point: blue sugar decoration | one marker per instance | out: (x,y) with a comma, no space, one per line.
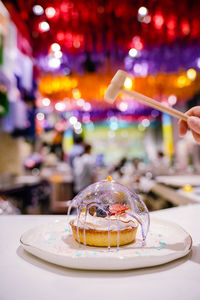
(78,254)
(92,254)
(160,235)
(162,243)
(52,239)
(138,252)
(66,230)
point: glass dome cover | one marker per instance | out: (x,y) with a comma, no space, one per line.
(110,196)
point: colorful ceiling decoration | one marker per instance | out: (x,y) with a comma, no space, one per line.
(166,59)
(92,87)
(108,26)
(88,32)
(82,43)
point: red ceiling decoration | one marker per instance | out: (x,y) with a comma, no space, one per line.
(109,26)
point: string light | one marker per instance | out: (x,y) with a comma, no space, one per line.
(76,44)
(44,26)
(60,36)
(137,68)
(46,101)
(133,52)
(58,54)
(182,81)
(146,19)
(40,116)
(128,83)
(143,11)
(172,99)
(54,63)
(145,122)
(171,23)
(55,47)
(77,125)
(73,120)
(158,20)
(185,27)
(123,106)
(87,106)
(60,106)
(191,74)
(38,10)
(64,7)
(137,43)
(80,102)
(50,12)
(76,93)
(78,131)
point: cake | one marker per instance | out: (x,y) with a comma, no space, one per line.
(108,215)
(105,228)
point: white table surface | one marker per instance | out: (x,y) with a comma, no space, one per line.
(23,276)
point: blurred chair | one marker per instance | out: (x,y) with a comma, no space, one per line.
(61,194)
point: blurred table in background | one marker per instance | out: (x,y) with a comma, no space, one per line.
(46,192)
(178,190)
(51,190)
(61,183)
(26,191)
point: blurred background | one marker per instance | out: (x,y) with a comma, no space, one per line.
(58,134)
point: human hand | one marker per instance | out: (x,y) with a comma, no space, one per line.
(193,123)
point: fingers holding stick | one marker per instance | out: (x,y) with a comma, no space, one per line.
(193,123)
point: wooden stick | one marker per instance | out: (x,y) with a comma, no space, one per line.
(155,104)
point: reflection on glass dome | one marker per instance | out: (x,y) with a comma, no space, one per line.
(108,214)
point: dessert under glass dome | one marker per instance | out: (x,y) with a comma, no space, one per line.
(109,197)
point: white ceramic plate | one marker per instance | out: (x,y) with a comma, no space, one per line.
(179,180)
(54,243)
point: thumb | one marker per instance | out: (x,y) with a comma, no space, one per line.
(194,124)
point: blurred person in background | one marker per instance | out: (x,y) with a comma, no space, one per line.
(56,146)
(119,168)
(76,150)
(84,169)
(160,165)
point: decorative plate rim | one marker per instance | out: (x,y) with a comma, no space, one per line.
(156,219)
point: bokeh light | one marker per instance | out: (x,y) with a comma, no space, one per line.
(142,11)
(172,99)
(128,83)
(50,12)
(55,47)
(44,26)
(38,10)
(191,74)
